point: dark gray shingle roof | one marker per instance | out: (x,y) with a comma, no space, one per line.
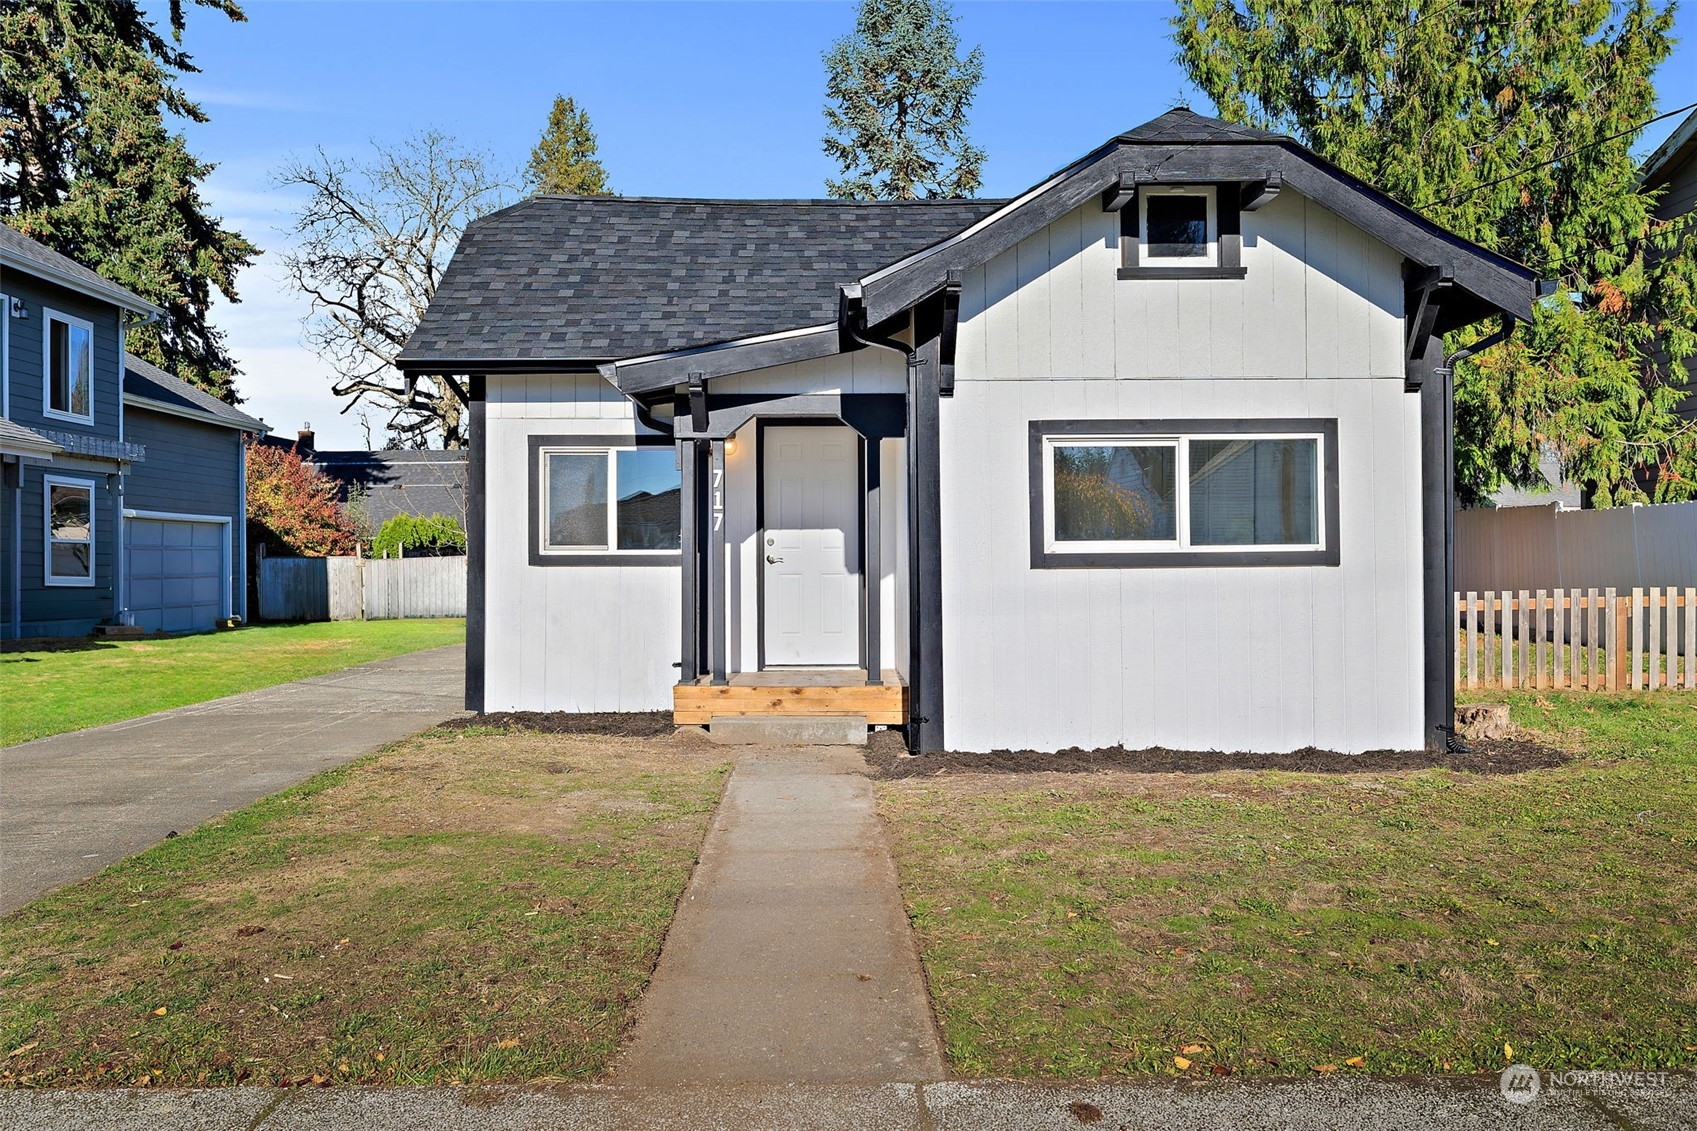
(17,438)
(557,278)
(419,483)
(19,252)
(145,380)
(1181,126)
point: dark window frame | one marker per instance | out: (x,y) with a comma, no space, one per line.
(1327,555)
(1228,235)
(607,442)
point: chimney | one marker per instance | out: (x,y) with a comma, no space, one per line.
(304,439)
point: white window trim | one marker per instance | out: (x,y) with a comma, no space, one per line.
(47,318)
(1145,259)
(1181,476)
(611,546)
(48,482)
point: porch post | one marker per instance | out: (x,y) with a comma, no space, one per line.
(716,620)
(872,567)
(689,505)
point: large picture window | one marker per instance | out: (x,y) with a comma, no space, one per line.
(69,354)
(69,513)
(1193,492)
(604,500)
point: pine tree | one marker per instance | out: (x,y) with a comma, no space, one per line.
(564,160)
(96,175)
(899,92)
(1512,124)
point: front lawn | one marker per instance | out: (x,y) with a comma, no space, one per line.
(1380,916)
(463,907)
(82,683)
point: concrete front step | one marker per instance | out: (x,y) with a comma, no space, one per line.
(788,730)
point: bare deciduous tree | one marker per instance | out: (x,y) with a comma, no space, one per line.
(370,245)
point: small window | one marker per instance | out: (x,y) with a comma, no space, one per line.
(621,499)
(1190,492)
(70,367)
(1178,227)
(70,531)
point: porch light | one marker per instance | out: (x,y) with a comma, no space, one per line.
(731,446)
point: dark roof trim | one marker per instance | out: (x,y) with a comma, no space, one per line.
(496,366)
(1497,280)
(665,370)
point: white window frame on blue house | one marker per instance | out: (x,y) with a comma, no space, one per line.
(48,317)
(48,482)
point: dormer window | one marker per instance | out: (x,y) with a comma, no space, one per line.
(1179,227)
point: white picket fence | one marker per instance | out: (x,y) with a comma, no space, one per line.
(350,588)
(1591,640)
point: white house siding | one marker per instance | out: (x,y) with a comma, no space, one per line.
(566,638)
(1255,659)
(604,638)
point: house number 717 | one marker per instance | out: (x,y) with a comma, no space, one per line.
(718,498)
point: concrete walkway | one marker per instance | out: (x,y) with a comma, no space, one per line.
(1360,1104)
(74,803)
(790,959)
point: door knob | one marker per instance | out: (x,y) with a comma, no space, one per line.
(770,560)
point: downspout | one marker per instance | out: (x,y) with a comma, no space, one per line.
(1445,372)
(17,578)
(241,523)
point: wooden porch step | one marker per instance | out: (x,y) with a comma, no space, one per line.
(695,704)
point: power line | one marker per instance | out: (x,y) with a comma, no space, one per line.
(1556,160)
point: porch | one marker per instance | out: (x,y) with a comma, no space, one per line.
(792,694)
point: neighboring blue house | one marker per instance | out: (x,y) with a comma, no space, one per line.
(123,493)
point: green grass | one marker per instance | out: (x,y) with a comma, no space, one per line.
(84,683)
(1275,922)
(459,908)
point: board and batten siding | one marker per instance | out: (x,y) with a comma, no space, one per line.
(566,638)
(1237,659)
(191,468)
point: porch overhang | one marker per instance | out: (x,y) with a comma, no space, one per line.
(640,375)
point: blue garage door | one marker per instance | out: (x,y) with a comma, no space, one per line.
(178,579)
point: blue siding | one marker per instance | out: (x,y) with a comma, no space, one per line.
(191,468)
(25,337)
(67,610)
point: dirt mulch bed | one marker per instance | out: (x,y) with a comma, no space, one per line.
(609,724)
(888,760)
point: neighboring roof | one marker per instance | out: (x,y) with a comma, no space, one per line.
(20,253)
(396,482)
(154,388)
(578,280)
(16,440)
(1671,153)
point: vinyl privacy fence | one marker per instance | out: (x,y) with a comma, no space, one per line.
(1520,548)
(1590,639)
(349,588)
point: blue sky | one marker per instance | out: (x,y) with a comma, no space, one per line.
(696,99)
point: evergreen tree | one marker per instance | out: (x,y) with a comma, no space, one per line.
(1510,123)
(93,172)
(564,160)
(899,92)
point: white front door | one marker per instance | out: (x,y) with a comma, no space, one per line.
(810,546)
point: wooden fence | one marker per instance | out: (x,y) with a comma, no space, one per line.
(1592,640)
(348,588)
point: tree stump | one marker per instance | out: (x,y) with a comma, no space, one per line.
(1483,721)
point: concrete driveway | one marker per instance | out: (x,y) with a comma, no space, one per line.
(74,803)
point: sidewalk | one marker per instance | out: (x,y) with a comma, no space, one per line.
(790,959)
(74,803)
(1359,1105)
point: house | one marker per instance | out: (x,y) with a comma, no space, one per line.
(123,491)
(1156,453)
(1673,168)
(412,482)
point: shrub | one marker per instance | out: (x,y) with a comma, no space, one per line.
(435,536)
(292,507)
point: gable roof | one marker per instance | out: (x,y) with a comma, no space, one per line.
(1674,150)
(1181,146)
(20,253)
(149,386)
(570,281)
